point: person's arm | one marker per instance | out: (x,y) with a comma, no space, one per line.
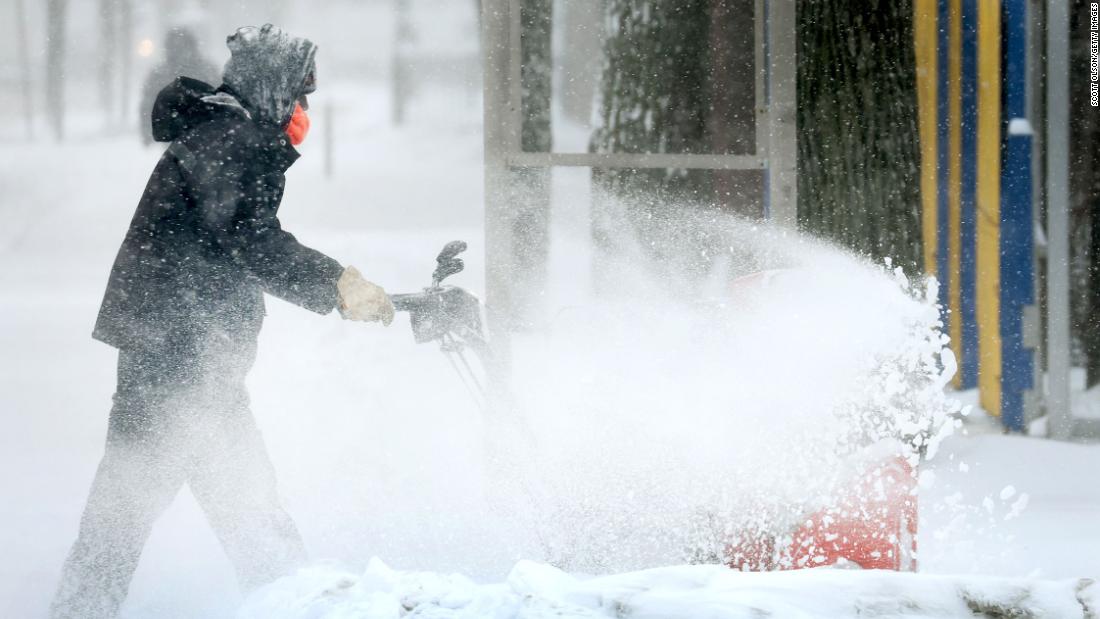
(237,209)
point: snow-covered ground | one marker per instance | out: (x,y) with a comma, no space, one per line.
(536,591)
(380,453)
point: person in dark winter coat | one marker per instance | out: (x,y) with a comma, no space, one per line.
(181,57)
(184,305)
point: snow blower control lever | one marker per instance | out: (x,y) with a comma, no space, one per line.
(451,316)
(447,264)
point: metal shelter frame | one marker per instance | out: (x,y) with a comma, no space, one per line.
(774,28)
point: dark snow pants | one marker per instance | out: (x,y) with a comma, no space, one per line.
(180,415)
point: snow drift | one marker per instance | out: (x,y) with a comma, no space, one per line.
(534,591)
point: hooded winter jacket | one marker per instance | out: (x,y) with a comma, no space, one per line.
(206,242)
(181,57)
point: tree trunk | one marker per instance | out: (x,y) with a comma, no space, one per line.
(1084,196)
(1091,331)
(108,54)
(126,59)
(858,155)
(399,86)
(730,122)
(24,66)
(55,66)
(531,233)
(653,98)
(677,78)
(580,57)
(535,73)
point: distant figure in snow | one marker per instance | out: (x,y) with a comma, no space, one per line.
(181,57)
(184,306)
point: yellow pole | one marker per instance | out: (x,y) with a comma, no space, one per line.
(924,39)
(988,194)
(954,179)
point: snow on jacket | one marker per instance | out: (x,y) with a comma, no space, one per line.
(206,242)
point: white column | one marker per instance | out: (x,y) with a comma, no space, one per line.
(1060,417)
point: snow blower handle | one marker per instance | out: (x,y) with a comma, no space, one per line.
(442,311)
(451,316)
(437,312)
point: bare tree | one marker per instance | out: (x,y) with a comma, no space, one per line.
(532,221)
(126,57)
(108,51)
(56,12)
(653,95)
(677,78)
(580,57)
(399,78)
(115,59)
(535,73)
(24,65)
(730,124)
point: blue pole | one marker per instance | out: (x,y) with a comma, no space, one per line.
(968,251)
(1017,244)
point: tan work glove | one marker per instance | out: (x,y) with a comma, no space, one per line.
(362,300)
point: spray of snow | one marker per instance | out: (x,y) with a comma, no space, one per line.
(694,399)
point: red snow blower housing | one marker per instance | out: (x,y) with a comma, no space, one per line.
(870,524)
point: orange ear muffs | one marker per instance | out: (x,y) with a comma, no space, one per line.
(298,126)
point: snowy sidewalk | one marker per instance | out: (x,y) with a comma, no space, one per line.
(534,591)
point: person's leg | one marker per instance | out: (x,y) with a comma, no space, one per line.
(236,488)
(137,479)
(234,481)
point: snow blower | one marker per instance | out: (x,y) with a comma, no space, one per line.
(869,523)
(451,316)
